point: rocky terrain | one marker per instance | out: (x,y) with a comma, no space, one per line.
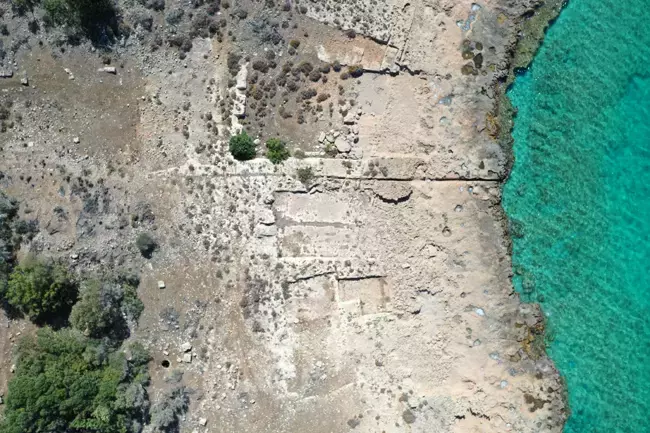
(361,285)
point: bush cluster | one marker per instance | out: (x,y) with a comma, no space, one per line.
(66,382)
(96,18)
(76,379)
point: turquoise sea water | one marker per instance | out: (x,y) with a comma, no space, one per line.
(579,203)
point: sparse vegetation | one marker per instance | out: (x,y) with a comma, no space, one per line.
(166,413)
(276,150)
(305,175)
(242,147)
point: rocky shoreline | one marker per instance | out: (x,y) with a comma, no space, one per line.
(531,35)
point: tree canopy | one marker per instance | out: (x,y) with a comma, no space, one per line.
(41,290)
(108,308)
(67,383)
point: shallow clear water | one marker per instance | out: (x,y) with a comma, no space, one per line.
(579,203)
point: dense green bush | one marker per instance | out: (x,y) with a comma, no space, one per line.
(146,244)
(65,382)
(41,290)
(107,308)
(242,147)
(276,150)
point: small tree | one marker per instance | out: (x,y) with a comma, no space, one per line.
(276,150)
(242,147)
(40,290)
(106,309)
(146,244)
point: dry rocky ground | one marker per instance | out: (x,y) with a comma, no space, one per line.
(372,297)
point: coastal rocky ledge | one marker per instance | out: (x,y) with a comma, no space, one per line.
(361,285)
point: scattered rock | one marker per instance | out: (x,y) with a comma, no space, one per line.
(161,284)
(242,76)
(24,81)
(76,140)
(6,73)
(203,421)
(342,145)
(187,358)
(108,69)
(186,347)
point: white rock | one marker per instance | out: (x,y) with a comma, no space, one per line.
(187,358)
(161,284)
(186,347)
(108,69)
(24,81)
(203,421)
(342,145)
(75,140)
(264,231)
(242,76)
(349,119)
(322,137)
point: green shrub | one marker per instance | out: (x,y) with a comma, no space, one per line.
(165,414)
(42,291)
(146,244)
(242,147)
(305,175)
(65,382)
(355,71)
(106,309)
(276,150)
